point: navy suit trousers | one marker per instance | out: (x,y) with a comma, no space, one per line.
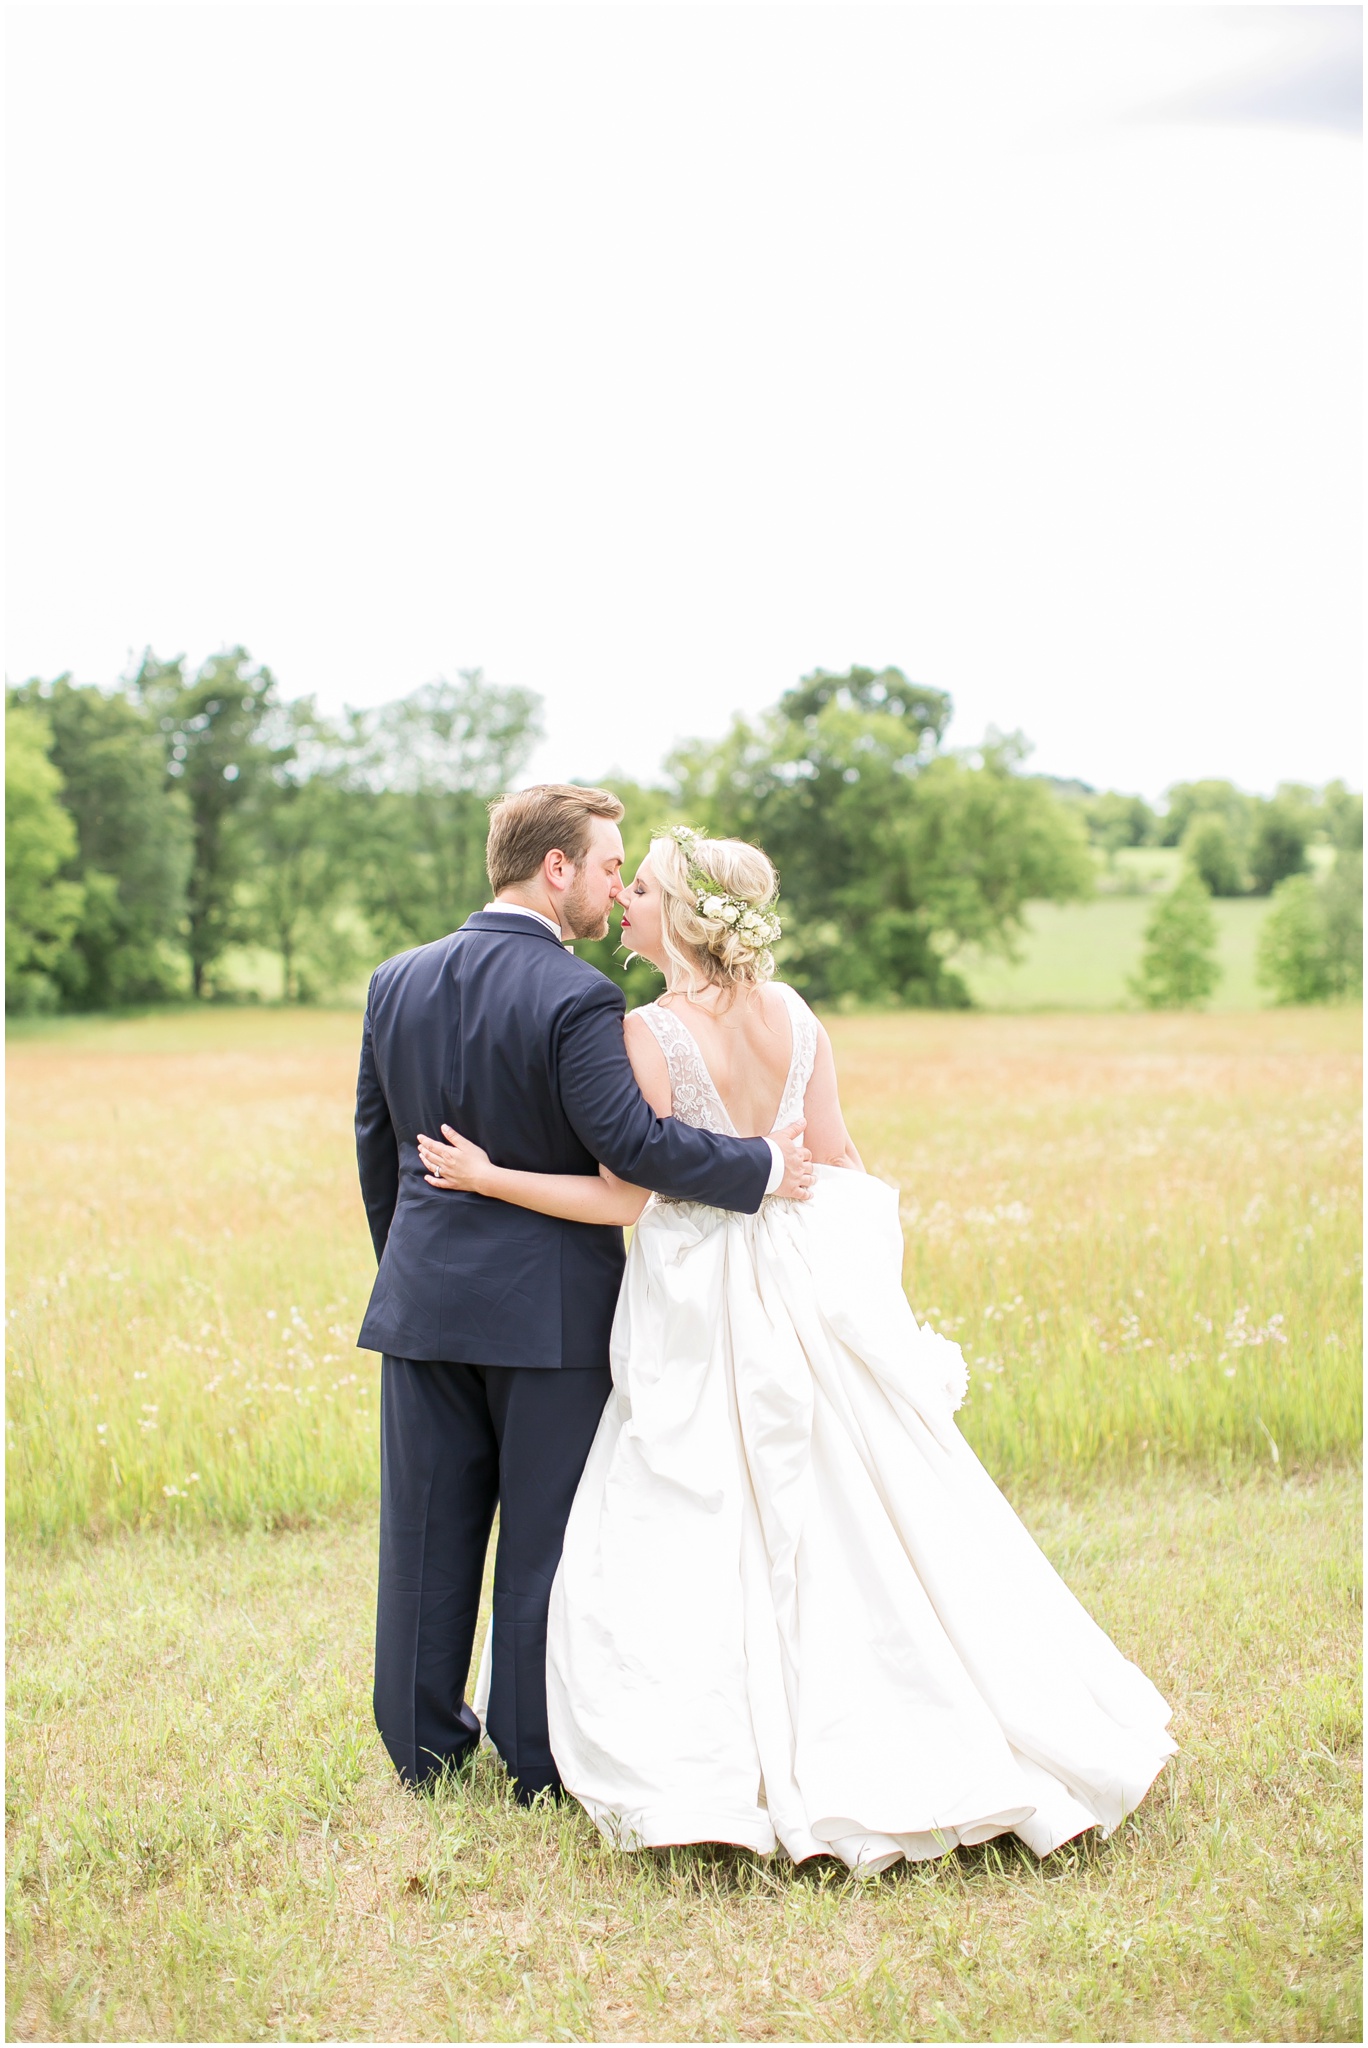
(455,1442)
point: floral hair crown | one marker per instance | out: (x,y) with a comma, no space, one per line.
(756,924)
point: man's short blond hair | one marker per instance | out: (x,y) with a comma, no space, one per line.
(548,818)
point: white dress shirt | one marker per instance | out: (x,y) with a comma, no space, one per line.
(521,910)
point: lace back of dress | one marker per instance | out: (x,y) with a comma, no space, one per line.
(693,1093)
(693,1096)
(803,1057)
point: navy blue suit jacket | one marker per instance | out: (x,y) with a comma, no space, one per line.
(500,1032)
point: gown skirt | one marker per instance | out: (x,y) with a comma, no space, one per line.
(793,1611)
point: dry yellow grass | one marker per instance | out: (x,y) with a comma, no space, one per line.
(183,1208)
(1145,1231)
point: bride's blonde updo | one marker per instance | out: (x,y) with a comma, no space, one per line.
(717,921)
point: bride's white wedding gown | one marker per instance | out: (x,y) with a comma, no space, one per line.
(793,1609)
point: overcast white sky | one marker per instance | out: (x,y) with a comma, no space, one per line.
(650,356)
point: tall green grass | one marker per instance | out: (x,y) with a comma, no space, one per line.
(1147,1237)
(1144,1231)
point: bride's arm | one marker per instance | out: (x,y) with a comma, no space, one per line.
(579,1197)
(827,1137)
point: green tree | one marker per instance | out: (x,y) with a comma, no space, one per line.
(1280,828)
(1116,821)
(133,846)
(1342,889)
(1213,852)
(1311,944)
(421,772)
(981,841)
(41,909)
(1212,796)
(301,823)
(1178,969)
(921,712)
(1342,813)
(890,855)
(213,725)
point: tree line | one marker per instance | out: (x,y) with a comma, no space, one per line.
(1236,844)
(155,827)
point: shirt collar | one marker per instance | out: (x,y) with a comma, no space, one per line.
(521,910)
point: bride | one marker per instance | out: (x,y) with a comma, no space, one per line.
(793,1609)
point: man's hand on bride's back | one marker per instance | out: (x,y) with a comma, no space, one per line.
(458,1164)
(796,1186)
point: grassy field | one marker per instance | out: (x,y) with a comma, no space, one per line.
(1145,1232)
(1077,956)
(206,1843)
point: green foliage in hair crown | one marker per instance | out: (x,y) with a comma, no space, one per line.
(756,924)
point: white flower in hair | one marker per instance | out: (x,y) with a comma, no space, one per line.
(759,928)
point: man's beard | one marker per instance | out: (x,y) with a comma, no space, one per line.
(579,914)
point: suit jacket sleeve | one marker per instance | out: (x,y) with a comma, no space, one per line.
(377,1148)
(615,1122)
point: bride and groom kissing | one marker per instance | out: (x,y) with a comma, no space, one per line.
(751,1584)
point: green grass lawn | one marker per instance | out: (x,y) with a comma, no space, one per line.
(207,1843)
(1076,956)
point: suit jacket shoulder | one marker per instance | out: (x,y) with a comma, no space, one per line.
(560,960)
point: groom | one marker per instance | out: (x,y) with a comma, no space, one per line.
(494,1321)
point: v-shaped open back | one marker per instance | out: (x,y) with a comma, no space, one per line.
(694,1095)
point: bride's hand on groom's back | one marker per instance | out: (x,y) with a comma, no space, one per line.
(457,1164)
(796,1186)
